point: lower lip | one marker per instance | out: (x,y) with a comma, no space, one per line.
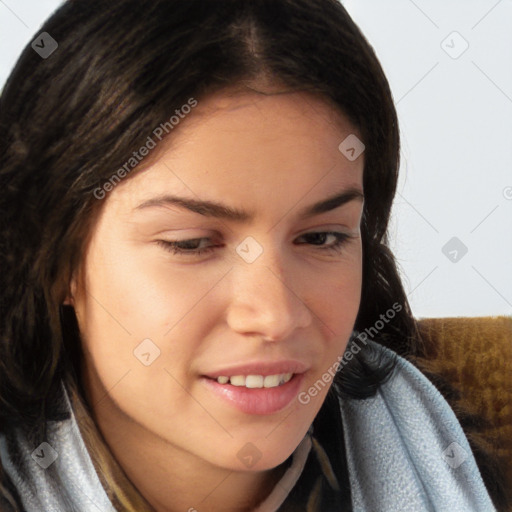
(257,400)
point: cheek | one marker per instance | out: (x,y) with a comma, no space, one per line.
(140,294)
(141,310)
(340,301)
(340,305)
(336,295)
(141,328)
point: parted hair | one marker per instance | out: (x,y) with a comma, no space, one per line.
(70,120)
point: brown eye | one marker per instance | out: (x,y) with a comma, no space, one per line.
(190,246)
(319,238)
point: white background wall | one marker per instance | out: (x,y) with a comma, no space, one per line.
(455,110)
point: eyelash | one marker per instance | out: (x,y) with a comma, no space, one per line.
(173,245)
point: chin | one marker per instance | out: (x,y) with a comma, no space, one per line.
(260,453)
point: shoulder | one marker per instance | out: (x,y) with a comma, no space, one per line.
(409,429)
(469,362)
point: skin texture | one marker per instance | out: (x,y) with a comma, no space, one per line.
(271,155)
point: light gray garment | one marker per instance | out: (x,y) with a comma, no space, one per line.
(406,452)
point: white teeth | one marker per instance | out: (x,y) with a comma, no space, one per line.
(256,381)
(238,380)
(287,377)
(271,381)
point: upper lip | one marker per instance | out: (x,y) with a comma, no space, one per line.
(263,368)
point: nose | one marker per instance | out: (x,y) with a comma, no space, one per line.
(266,299)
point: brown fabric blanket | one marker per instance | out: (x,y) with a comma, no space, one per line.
(470,361)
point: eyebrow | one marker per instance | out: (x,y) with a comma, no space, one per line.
(221,211)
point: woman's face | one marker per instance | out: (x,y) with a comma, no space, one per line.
(257,290)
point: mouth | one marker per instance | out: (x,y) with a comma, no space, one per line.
(256,381)
(255,393)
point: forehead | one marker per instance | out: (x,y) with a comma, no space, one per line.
(239,116)
(250,148)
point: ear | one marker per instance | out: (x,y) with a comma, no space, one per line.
(68,301)
(70,297)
